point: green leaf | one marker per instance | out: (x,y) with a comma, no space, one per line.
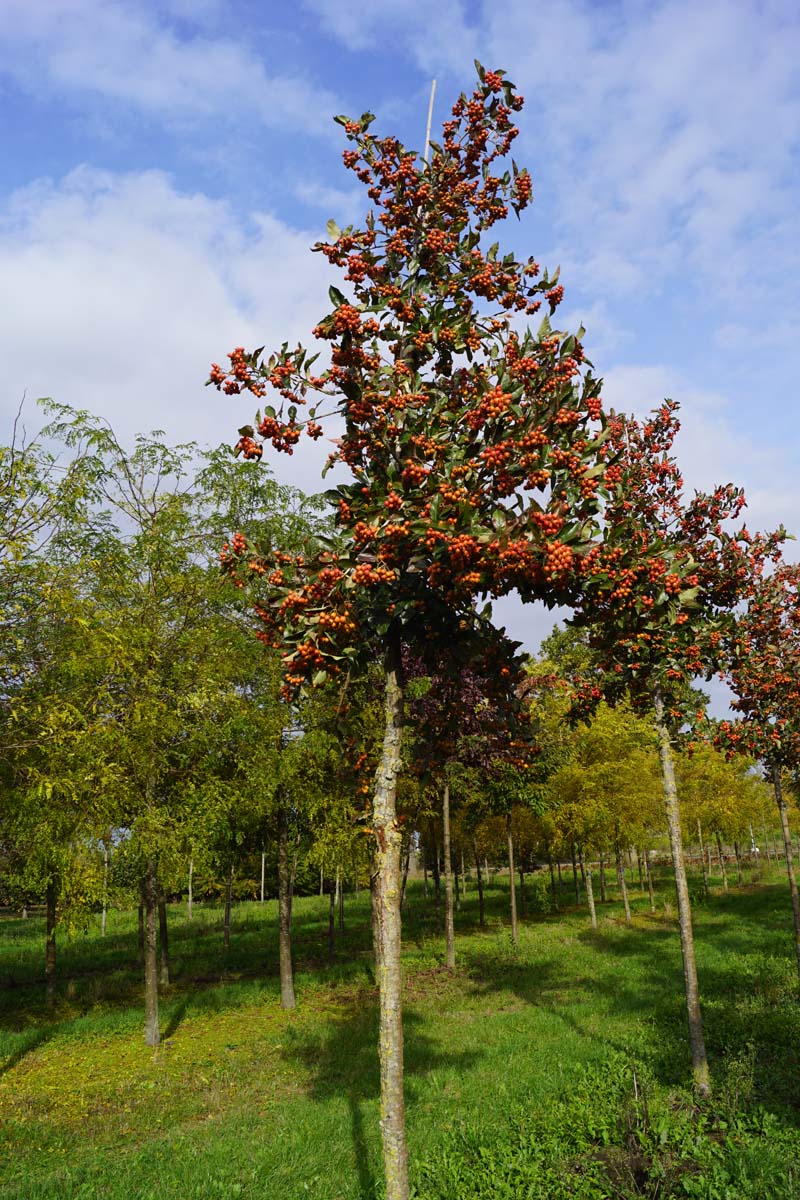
(333,230)
(336,297)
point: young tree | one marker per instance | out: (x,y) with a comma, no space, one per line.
(452,421)
(658,591)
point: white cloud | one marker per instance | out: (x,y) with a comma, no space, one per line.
(122,52)
(120,291)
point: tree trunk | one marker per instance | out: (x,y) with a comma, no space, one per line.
(623,887)
(285,911)
(580,864)
(738,863)
(105,893)
(189,903)
(523,904)
(388,842)
(603,895)
(560,880)
(721,861)
(425,870)
(163,943)
(512,880)
(263,869)
(590,898)
(787,846)
(151,1034)
(575,876)
(649,875)
(406,864)
(456,887)
(639,866)
(449,925)
(340,898)
(332,926)
(553,883)
(321,882)
(481,909)
(702,857)
(50,943)
(226,921)
(702,1081)
(463,873)
(437,879)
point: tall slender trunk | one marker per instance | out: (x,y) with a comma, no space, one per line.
(481,909)
(190,901)
(322,881)
(553,883)
(590,899)
(226,921)
(738,863)
(639,867)
(151,1034)
(512,881)
(340,898)
(50,942)
(721,861)
(449,925)
(437,879)
(580,864)
(406,864)
(649,875)
(560,880)
(104,913)
(163,943)
(623,887)
(702,1081)
(332,925)
(787,847)
(463,872)
(285,911)
(575,875)
(603,895)
(263,869)
(457,888)
(702,856)
(388,842)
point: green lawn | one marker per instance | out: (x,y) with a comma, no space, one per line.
(558,1070)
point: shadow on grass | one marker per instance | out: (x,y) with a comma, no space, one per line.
(341,1060)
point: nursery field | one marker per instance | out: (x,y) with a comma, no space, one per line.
(559,1069)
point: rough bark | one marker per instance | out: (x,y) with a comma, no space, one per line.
(623,887)
(163,943)
(50,943)
(512,880)
(449,924)
(285,911)
(226,922)
(151,1033)
(702,856)
(479,877)
(388,842)
(590,898)
(787,847)
(697,1045)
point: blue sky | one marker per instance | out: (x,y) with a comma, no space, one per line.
(168,164)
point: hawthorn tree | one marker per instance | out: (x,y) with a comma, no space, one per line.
(475,450)
(659,591)
(763,670)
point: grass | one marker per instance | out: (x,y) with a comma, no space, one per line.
(558,1069)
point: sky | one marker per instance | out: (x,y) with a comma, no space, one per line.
(169,163)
